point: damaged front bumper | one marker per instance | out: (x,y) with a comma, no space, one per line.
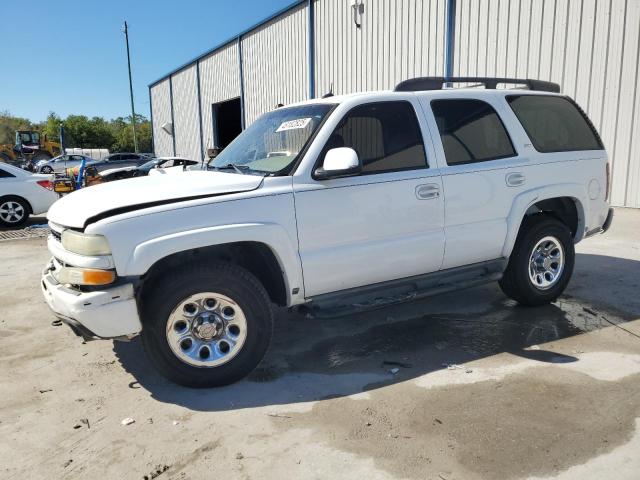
(106,313)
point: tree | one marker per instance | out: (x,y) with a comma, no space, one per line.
(8,126)
(51,127)
(83,132)
(124,134)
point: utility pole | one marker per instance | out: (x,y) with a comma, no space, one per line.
(133,111)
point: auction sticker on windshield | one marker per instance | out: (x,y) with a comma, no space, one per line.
(293,124)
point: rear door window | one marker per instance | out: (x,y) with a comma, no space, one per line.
(471,131)
(554,124)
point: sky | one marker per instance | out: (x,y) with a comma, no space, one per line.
(69,56)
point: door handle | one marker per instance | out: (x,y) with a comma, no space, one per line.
(515,179)
(428,191)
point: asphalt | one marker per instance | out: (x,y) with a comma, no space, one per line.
(467,385)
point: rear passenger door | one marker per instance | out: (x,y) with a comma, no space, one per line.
(482,172)
(383,224)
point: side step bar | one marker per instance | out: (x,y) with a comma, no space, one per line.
(381,295)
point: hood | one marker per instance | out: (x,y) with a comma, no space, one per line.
(114,170)
(80,208)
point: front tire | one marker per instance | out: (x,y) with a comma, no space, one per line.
(46,169)
(206,325)
(541,263)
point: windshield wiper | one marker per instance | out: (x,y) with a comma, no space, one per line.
(242,169)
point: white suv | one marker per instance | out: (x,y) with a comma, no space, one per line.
(341,203)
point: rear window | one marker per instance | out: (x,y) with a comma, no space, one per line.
(554,124)
(471,131)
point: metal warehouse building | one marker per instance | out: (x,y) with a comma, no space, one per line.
(590,47)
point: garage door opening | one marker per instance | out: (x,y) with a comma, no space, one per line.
(227,123)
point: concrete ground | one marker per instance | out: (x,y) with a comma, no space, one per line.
(552,392)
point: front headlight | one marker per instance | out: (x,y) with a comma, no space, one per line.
(85,244)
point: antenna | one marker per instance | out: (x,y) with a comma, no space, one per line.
(329,93)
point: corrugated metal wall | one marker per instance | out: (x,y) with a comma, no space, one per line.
(398,39)
(161,107)
(590,47)
(219,81)
(275,66)
(185,113)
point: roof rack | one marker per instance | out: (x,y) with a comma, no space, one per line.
(436,83)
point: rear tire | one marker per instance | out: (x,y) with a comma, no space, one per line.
(14,211)
(206,325)
(541,263)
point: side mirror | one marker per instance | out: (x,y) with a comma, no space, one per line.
(339,162)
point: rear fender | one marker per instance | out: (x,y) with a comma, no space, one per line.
(525,200)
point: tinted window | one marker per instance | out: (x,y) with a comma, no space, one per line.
(554,124)
(386,136)
(471,131)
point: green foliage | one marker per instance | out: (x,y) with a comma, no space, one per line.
(83,132)
(9,125)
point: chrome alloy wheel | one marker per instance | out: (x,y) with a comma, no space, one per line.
(206,329)
(11,211)
(546,263)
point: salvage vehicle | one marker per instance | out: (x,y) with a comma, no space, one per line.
(121,173)
(22,194)
(334,205)
(122,159)
(61,163)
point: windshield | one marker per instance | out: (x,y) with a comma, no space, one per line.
(274,140)
(150,164)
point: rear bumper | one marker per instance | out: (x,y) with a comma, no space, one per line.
(605,226)
(108,313)
(607,222)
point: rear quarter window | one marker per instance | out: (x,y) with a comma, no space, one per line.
(554,124)
(5,174)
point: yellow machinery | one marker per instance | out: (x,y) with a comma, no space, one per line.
(29,148)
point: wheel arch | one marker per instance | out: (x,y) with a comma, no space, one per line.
(565,202)
(18,197)
(256,257)
(264,249)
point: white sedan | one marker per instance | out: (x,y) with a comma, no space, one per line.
(23,194)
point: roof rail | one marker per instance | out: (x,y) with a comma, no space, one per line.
(436,83)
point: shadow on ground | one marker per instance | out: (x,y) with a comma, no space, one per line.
(314,359)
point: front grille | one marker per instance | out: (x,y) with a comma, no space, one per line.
(56,235)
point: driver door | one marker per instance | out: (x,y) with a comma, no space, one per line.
(383,224)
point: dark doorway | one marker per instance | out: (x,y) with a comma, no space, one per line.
(227,123)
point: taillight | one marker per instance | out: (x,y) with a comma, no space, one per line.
(48,184)
(608,185)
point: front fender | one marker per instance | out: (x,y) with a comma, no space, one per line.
(525,200)
(272,235)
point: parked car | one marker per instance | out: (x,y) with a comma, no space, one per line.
(119,160)
(178,165)
(60,163)
(372,199)
(23,194)
(144,169)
